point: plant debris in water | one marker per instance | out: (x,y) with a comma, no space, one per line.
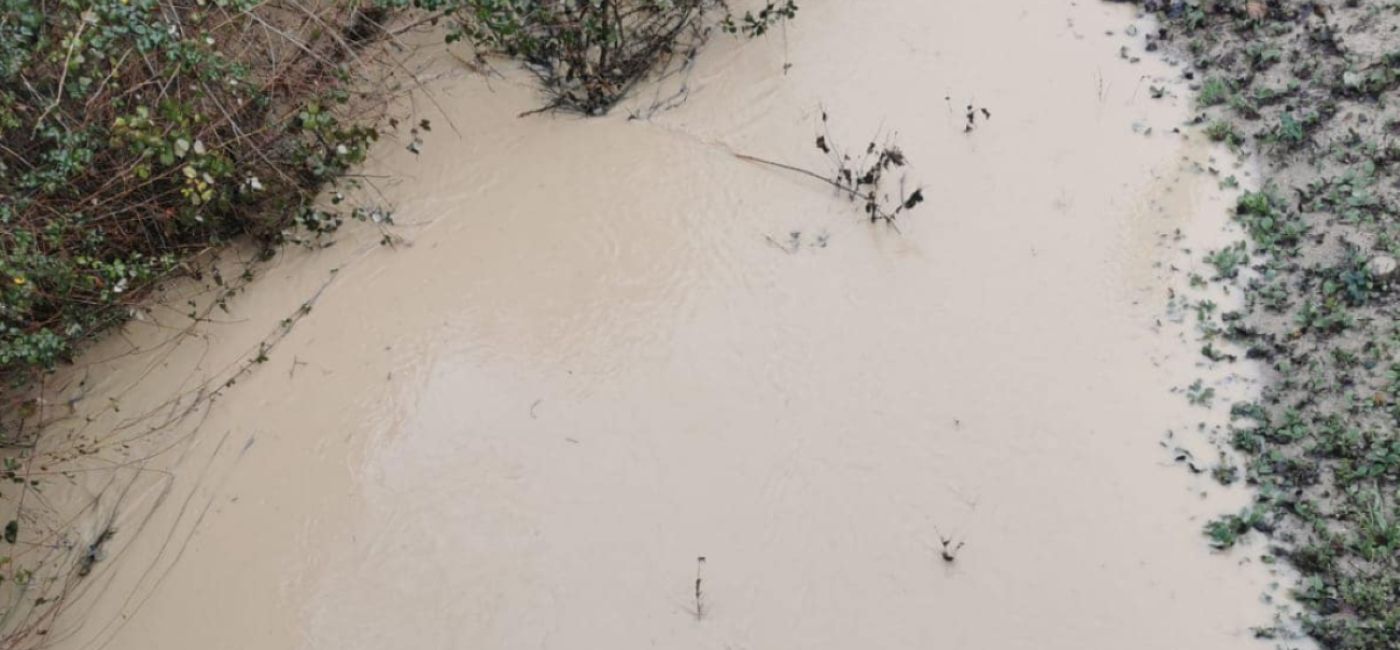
(1310,88)
(863,178)
(699,591)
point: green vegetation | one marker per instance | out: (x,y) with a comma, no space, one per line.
(1307,86)
(136,133)
(1222,131)
(1214,91)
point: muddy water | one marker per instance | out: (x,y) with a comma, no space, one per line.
(606,348)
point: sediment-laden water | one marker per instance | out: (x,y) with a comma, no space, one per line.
(605,348)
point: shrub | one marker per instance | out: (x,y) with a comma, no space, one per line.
(136,133)
(589,53)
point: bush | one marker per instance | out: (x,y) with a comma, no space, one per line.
(589,53)
(136,133)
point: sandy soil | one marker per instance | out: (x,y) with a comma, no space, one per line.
(595,357)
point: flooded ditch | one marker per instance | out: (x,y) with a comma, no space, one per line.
(605,348)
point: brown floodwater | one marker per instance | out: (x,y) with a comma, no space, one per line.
(605,348)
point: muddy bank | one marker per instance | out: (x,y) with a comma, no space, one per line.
(606,348)
(1308,86)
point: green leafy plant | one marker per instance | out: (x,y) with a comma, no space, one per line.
(1224,532)
(1228,260)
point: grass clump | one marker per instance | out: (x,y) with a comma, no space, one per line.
(1213,92)
(1222,131)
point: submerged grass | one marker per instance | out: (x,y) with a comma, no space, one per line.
(1310,87)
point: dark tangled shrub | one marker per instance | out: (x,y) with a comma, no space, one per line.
(136,133)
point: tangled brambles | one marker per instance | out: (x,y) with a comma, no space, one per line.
(589,53)
(136,133)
